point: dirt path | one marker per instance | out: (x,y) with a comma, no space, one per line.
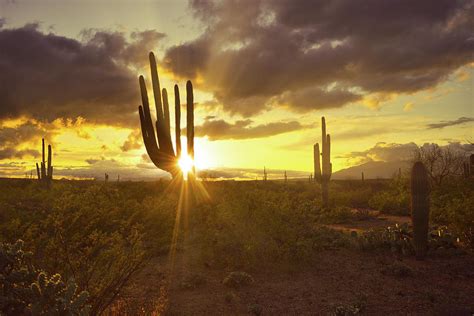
(351,279)
(374,219)
(374,283)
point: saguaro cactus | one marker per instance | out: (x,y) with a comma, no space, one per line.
(323,165)
(45,172)
(420,207)
(162,153)
(264,174)
(362,175)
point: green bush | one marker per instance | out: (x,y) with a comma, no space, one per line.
(394,200)
(27,290)
(252,226)
(95,233)
(399,239)
(452,204)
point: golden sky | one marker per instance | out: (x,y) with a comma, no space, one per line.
(263,78)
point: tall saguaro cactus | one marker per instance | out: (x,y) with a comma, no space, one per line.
(45,172)
(420,207)
(162,153)
(322,162)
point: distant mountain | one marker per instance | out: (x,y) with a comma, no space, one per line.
(372,170)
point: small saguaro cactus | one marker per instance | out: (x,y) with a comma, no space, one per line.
(363,178)
(264,174)
(162,153)
(323,165)
(420,207)
(45,172)
(285,177)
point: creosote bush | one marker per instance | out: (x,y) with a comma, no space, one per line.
(98,234)
(24,289)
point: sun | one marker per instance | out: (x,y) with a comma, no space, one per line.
(186,164)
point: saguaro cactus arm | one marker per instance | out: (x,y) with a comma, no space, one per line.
(177,111)
(190,118)
(317,162)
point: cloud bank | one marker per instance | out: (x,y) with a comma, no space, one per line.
(459,121)
(47,76)
(309,55)
(217,129)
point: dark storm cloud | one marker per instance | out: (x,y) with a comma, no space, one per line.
(316,98)
(12,137)
(459,121)
(243,129)
(254,53)
(8,153)
(46,76)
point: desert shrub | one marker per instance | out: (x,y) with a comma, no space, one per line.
(250,227)
(94,233)
(355,308)
(335,215)
(27,290)
(399,239)
(452,204)
(238,279)
(394,200)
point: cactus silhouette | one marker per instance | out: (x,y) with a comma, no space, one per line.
(363,178)
(162,153)
(45,172)
(420,207)
(264,174)
(323,165)
(285,177)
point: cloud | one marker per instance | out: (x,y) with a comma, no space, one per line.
(48,76)
(322,54)
(7,153)
(393,152)
(249,173)
(408,107)
(97,167)
(383,152)
(13,137)
(459,121)
(217,129)
(133,141)
(316,98)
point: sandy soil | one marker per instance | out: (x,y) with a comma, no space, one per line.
(353,279)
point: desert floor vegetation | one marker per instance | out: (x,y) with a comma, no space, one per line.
(259,247)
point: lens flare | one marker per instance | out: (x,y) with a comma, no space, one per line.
(186,164)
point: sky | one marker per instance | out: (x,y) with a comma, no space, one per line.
(387,75)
